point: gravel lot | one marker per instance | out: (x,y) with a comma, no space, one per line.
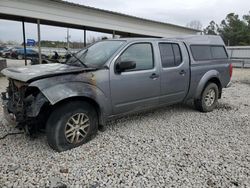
(170,147)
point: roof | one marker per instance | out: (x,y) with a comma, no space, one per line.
(189,39)
(122,14)
(200,39)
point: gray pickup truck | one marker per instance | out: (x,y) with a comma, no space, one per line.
(112,78)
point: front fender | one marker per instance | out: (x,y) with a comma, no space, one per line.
(61,91)
(203,81)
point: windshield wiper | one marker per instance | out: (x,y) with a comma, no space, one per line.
(76,56)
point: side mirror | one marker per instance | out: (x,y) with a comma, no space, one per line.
(125,65)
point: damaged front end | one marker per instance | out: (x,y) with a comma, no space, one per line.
(23,104)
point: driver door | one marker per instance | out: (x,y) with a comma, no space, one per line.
(138,88)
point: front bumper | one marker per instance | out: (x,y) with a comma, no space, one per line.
(9,117)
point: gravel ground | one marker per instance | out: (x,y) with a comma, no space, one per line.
(170,147)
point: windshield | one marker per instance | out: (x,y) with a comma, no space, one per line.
(97,54)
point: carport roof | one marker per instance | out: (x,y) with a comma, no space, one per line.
(122,14)
(66,14)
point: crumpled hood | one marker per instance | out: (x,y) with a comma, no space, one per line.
(35,72)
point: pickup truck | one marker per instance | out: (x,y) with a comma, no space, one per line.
(112,78)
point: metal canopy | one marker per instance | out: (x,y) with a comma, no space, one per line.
(64,14)
(66,25)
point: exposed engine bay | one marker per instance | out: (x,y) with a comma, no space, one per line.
(23,104)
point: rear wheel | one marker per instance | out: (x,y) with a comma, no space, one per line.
(70,125)
(208,99)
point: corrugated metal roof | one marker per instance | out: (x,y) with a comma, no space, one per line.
(122,14)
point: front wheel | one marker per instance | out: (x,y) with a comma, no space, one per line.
(71,125)
(208,99)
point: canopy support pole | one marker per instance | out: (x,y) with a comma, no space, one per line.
(24,43)
(39,41)
(85,38)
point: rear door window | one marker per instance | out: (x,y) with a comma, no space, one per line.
(170,54)
(177,54)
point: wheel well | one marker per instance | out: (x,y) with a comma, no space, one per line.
(217,82)
(81,98)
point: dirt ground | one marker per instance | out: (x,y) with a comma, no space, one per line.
(242,75)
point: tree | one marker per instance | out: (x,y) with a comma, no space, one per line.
(195,24)
(233,30)
(212,29)
(246,18)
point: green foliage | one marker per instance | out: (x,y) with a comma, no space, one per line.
(212,29)
(233,30)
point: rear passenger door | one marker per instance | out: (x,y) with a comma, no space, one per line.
(175,72)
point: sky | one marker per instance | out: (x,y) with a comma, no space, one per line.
(179,12)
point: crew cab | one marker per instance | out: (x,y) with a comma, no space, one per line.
(112,78)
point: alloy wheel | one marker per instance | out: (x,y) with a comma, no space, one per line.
(77,128)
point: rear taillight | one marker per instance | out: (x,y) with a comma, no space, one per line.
(231,70)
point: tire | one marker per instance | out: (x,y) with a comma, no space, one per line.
(205,103)
(62,120)
(19,57)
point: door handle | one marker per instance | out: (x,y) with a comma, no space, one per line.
(182,72)
(154,76)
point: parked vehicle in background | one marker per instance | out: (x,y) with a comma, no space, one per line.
(4,52)
(19,54)
(112,78)
(56,58)
(2,48)
(8,52)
